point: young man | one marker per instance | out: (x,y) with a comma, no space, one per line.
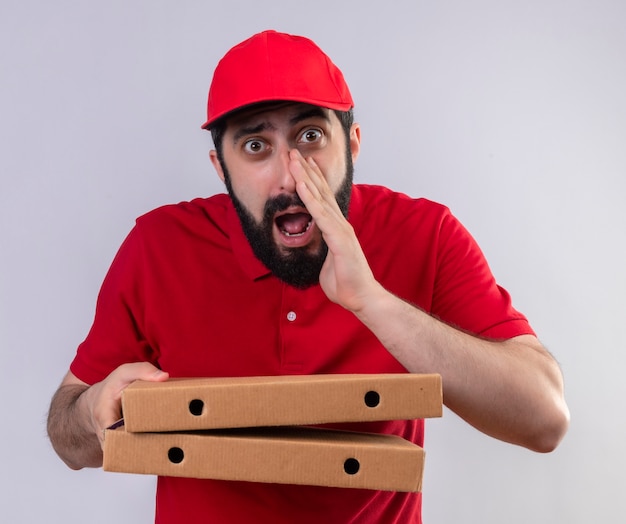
(297,271)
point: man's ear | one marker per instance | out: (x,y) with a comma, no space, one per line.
(355,141)
(216,164)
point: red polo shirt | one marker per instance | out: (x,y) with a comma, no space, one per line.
(186,292)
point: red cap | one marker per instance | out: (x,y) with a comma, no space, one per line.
(275,66)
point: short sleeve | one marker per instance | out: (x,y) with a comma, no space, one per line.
(116,335)
(466,293)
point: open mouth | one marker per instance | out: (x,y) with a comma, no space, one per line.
(294,224)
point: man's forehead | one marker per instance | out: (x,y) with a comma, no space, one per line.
(269,111)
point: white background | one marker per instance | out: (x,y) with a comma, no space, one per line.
(512,113)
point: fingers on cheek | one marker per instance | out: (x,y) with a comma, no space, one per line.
(301,187)
(297,161)
(304,192)
(297,169)
(315,168)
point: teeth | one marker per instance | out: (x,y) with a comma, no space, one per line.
(287,234)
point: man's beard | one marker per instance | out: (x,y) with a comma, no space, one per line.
(297,267)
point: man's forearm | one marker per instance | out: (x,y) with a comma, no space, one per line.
(511,390)
(69,430)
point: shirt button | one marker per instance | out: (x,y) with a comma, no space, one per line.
(291,316)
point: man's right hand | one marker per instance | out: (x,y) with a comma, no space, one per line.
(80,413)
(103,401)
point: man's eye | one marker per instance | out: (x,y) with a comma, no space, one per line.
(254,146)
(310,135)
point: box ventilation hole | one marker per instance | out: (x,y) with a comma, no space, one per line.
(351,466)
(372,399)
(196,407)
(176,455)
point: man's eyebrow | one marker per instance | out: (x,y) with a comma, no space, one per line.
(251,130)
(312,112)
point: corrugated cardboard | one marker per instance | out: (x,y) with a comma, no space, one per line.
(284,455)
(208,403)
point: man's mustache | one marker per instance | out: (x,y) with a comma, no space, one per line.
(280,203)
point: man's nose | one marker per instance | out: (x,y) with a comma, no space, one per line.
(286,182)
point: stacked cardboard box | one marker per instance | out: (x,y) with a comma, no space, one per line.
(259,429)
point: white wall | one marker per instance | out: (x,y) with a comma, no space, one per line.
(512,113)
